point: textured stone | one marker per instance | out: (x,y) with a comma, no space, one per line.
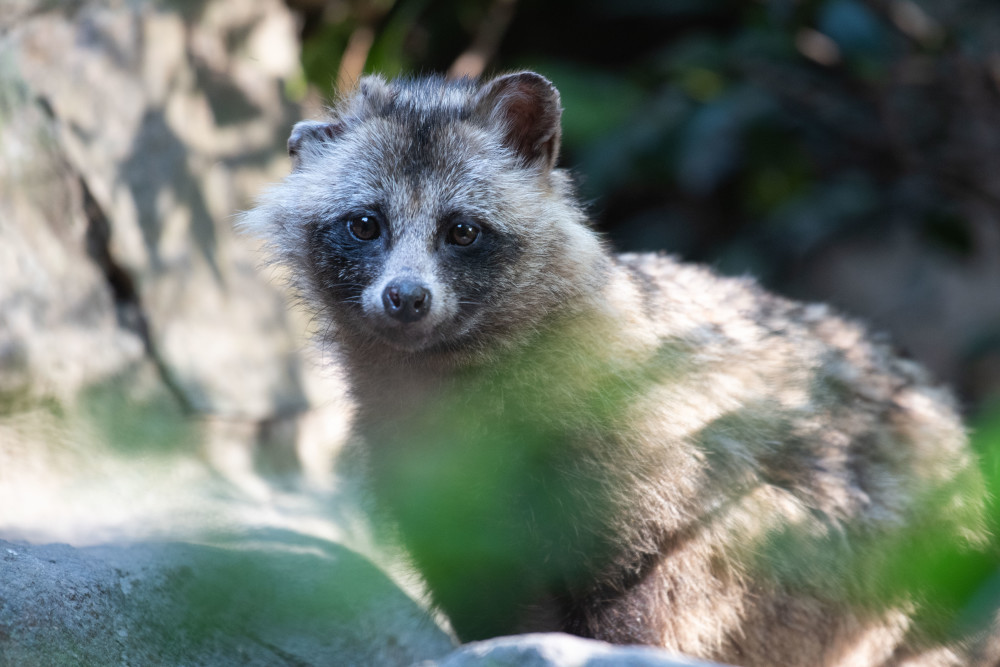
(167,124)
(59,329)
(270,599)
(132,315)
(559,650)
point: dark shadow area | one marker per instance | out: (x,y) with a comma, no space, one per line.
(158,162)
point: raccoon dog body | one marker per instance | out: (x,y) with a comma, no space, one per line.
(618,446)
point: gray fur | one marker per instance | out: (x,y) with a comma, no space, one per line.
(684,460)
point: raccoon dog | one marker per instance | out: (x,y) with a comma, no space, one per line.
(617,446)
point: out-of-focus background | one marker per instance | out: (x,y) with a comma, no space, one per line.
(151,363)
(839,150)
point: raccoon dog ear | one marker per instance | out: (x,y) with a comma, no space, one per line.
(525,107)
(309,132)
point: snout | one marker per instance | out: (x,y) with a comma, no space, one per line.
(410,311)
(406,300)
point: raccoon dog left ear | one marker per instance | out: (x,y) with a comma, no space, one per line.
(309,132)
(525,107)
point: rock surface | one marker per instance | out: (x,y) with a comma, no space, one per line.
(559,650)
(159,126)
(268,599)
(271,599)
(132,316)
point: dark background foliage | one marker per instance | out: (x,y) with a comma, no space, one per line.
(838,150)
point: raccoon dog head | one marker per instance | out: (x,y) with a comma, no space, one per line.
(426,215)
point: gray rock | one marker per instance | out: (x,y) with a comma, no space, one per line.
(136,133)
(59,327)
(263,599)
(133,318)
(559,650)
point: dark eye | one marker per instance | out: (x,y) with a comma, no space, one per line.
(364,227)
(463,233)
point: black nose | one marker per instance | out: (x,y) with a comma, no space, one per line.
(406,300)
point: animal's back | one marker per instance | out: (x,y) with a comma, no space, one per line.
(798,456)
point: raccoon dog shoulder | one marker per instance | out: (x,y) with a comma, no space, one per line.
(617,446)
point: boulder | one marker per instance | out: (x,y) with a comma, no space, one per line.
(262,599)
(139,132)
(559,650)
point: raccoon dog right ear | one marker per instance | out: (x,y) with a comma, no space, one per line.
(307,132)
(525,107)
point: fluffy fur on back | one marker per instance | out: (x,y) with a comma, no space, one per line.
(619,446)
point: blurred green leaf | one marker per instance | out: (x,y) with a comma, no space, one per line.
(138,425)
(389,55)
(321,55)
